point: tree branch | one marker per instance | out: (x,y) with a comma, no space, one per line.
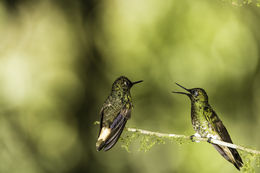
(175,136)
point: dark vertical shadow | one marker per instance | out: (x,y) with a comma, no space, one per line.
(90,67)
(91,71)
(12,5)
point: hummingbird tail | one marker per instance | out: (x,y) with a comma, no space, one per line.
(238,163)
(103,136)
(100,144)
(237,166)
(230,155)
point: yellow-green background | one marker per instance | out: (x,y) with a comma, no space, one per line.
(59,58)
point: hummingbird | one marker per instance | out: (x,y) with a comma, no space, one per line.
(115,112)
(207,124)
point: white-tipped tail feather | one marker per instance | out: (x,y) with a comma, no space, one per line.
(105,132)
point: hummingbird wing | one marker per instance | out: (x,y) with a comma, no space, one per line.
(117,128)
(111,127)
(229,154)
(116,133)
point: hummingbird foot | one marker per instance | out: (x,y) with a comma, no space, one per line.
(210,137)
(194,136)
(209,140)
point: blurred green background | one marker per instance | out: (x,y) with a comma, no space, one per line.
(59,58)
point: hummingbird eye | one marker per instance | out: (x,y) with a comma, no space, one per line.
(125,83)
(195,93)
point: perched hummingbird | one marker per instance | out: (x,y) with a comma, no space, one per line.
(207,124)
(114,113)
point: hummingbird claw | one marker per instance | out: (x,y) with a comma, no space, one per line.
(209,139)
(192,138)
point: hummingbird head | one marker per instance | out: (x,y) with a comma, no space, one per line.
(195,94)
(123,83)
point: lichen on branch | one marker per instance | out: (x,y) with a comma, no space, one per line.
(148,139)
(175,136)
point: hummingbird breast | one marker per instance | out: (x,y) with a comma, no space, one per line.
(200,122)
(201,127)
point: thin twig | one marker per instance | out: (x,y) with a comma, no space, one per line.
(213,141)
(175,136)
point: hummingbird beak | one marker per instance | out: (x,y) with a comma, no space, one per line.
(133,83)
(188,94)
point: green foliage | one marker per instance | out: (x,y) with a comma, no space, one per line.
(58,59)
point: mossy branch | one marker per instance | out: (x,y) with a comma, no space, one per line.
(175,136)
(195,138)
